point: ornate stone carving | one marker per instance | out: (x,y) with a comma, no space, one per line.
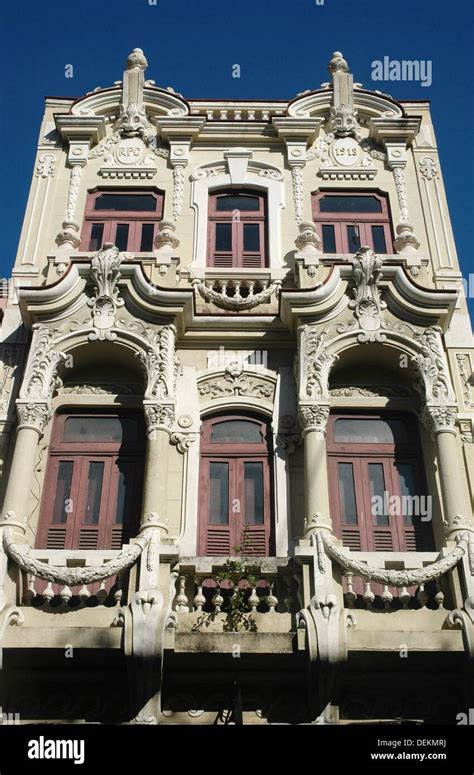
(236,382)
(343,120)
(466,428)
(103,388)
(308,240)
(372,391)
(297,182)
(105,273)
(314,363)
(46,165)
(465,372)
(367,303)
(440,419)
(166,240)
(178,189)
(161,365)
(33,415)
(68,238)
(40,378)
(433,367)
(428,167)
(236,302)
(183,441)
(400,186)
(395,578)
(406,242)
(158,417)
(314,417)
(74,183)
(21,554)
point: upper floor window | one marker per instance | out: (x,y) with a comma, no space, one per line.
(128,219)
(377,485)
(237,229)
(346,222)
(93,485)
(234,502)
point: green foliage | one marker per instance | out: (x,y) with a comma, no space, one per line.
(237,611)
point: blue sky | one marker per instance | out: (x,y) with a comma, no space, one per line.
(282,48)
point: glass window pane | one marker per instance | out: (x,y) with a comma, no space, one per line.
(347,497)
(370,431)
(253,493)
(61,507)
(146,244)
(92,429)
(377,494)
(125,487)
(353,238)
(223,236)
(218,493)
(97,232)
(243,202)
(329,239)
(236,432)
(378,239)
(350,204)
(126,202)
(121,236)
(408,490)
(251,237)
(94,493)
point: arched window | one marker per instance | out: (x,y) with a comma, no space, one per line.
(234,503)
(377,486)
(93,486)
(346,221)
(127,218)
(237,229)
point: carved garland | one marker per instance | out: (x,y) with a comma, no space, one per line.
(394,578)
(235,302)
(72,577)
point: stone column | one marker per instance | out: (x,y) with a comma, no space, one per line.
(313,420)
(33,416)
(440,420)
(159,418)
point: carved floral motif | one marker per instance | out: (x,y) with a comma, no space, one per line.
(236,382)
(367,303)
(105,273)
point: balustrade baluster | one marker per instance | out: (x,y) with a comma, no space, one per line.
(351,596)
(182,598)
(368,595)
(199,599)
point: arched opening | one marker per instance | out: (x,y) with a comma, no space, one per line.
(235,505)
(92,491)
(378,490)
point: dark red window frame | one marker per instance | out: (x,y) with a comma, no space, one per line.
(89,521)
(341,222)
(369,533)
(235,531)
(111,221)
(236,255)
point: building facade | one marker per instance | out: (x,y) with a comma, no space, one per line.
(237,415)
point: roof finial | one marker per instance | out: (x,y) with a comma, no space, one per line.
(136,60)
(338,63)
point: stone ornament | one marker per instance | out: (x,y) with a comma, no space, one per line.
(158,417)
(314,417)
(367,303)
(33,415)
(105,274)
(428,167)
(315,363)
(72,577)
(46,165)
(394,578)
(40,378)
(431,362)
(440,419)
(236,302)
(161,365)
(236,382)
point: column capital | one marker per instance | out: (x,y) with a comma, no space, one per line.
(158,417)
(439,418)
(314,417)
(33,414)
